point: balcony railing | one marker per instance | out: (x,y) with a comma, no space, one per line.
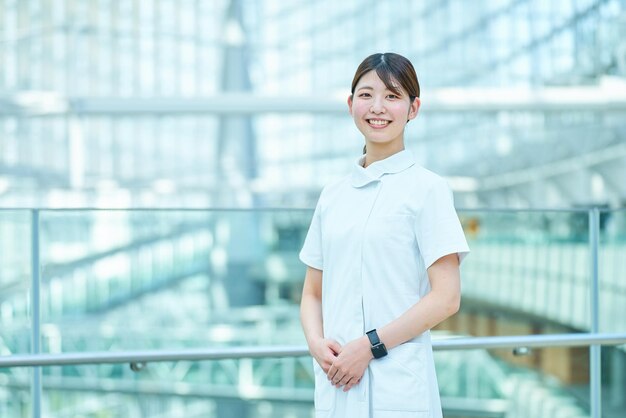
(570,274)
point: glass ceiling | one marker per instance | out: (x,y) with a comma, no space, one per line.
(242,103)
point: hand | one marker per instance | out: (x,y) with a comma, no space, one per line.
(349,366)
(324,351)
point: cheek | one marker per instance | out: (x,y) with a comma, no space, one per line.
(401,113)
(359,109)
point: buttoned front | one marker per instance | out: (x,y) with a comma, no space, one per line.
(373,234)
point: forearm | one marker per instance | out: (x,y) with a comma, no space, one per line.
(425,314)
(322,349)
(311,318)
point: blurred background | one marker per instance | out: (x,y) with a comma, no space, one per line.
(243,103)
(159,159)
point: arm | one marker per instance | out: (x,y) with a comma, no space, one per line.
(323,350)
(442,302)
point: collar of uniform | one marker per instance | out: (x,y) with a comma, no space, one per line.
(395,163)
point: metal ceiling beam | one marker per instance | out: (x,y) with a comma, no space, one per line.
(561,167)
(597,99)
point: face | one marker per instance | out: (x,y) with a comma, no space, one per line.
(379,113)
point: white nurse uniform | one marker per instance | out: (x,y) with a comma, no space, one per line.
(374,233)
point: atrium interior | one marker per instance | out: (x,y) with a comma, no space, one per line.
(160,161)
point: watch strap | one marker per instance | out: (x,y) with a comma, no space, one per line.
(373,337)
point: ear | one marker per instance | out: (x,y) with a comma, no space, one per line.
(414,108)
(350,104)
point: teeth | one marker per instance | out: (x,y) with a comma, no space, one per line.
(379,122)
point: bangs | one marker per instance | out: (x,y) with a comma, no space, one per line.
(395,71)
(385,73)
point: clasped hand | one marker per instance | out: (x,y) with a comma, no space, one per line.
(345,365)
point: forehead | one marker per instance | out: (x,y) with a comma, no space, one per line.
(372,80)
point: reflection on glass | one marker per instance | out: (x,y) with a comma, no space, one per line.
(528,263)
(15,281)
(164,279)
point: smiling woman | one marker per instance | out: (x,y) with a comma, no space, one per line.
(383,253)
(385,91)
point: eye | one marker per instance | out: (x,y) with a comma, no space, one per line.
(392,96)
(364,95)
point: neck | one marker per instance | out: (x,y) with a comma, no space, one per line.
(377,152)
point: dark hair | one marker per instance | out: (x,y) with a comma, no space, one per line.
(391,69)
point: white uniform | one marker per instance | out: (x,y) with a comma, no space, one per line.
(374,233)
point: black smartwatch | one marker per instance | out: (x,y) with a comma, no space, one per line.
(378,349)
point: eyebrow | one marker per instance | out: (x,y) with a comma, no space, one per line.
(398,92)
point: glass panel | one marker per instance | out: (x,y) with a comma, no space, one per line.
(138,279)
(15,395)
(15,282)
(528,273)
(612,272)
(15,317)
(544,383)
(211,389)
(156,279)
(119,280)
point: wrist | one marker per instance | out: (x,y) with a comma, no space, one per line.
(377,347)
(367,347)
(314,341)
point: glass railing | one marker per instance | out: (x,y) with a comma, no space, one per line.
(119,280)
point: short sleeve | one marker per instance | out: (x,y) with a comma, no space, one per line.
(311,253)
(437,227)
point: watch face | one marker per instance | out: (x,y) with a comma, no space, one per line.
(379,350)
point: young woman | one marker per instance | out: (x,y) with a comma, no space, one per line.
(383,253)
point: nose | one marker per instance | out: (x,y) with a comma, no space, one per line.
(377,106)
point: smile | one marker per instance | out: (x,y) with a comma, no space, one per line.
(378,123)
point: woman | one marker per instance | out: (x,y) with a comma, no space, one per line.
(383,253)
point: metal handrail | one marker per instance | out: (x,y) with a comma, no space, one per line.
(288,209)
(147,356)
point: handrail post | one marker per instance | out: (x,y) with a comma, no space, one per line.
(595,349)
(35,311)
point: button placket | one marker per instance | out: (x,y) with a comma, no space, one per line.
(377,185)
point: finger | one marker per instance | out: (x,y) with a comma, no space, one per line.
(332,371)
(352,383)
(334,346)
(343,381)
(338,378)
(349,384)
(331,359)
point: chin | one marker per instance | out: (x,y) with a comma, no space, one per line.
(381,141)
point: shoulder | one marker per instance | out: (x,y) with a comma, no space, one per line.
(426,181)
(333,188)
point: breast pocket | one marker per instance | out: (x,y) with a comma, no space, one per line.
(400,382)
